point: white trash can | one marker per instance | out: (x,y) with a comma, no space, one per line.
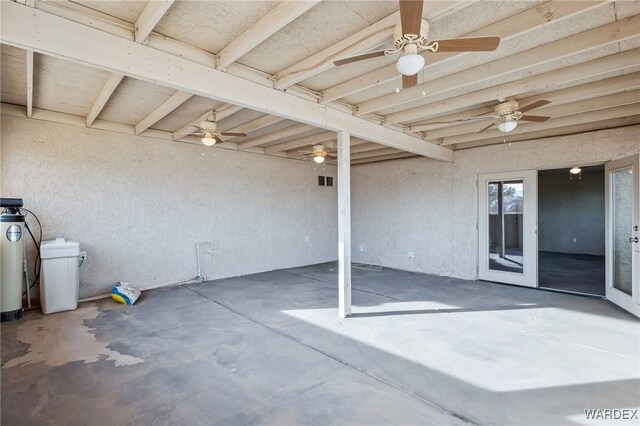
(59,277)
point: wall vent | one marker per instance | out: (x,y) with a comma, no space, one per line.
(325,181)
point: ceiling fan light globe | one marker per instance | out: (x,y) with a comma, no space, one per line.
(575,170)
(208,140)
(508,125)
(410,64)
(318,159)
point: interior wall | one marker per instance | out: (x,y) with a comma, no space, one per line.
(139,205)
(430,207)
(571,209)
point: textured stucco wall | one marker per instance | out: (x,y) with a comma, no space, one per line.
(433,210)
(138,205)
(402,207)
(571,208)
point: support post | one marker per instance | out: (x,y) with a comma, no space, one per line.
(29,83)
(344,224)
(501,250)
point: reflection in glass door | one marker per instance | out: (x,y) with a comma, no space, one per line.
(622,220)
(507,228)
(505,201)
(623,247)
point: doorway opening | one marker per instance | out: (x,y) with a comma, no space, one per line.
(571,230)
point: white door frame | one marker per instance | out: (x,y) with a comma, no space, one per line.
(529,276)
(620,298)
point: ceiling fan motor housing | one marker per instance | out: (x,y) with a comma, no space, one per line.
(208,126)
(400,40)
(507,109)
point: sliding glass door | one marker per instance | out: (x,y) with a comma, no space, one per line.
(507,228)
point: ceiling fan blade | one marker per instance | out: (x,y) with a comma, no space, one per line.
(357,58)
(535,118)
(197,134)
(218,140)
(471,44)
(536,104)
(232,134)
(331,156)
(411,16)
(486,128)
(409,81)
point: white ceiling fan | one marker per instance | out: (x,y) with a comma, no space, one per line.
(319,154)
(410,37)
(210,134)
(507,115)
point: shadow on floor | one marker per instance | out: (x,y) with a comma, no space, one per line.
(439,311)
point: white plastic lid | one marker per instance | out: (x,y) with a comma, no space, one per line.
(59,248)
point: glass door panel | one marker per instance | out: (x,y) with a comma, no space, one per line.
(505,225)
(622,215)
(507,228)
(622,186)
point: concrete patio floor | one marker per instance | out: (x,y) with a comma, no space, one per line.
(269,349)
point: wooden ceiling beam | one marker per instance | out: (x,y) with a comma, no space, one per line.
(528,20)
(84,15)
(74,120)
(359,42)
(146,22)
(50,34)
(447,120)
(152,13)
(368,146)
(162,111)
(590,90)
(382,158)
(509,67)
(374,153)
(216,115)
(540,82)
(320,138)
(284,13)
(274,136)
(254,125)
(567,130)
(103,97)
(29,82)
(569,120)
(557,97)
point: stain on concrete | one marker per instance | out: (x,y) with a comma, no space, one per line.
(59,339)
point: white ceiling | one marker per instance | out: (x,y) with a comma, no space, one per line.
(69,88)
